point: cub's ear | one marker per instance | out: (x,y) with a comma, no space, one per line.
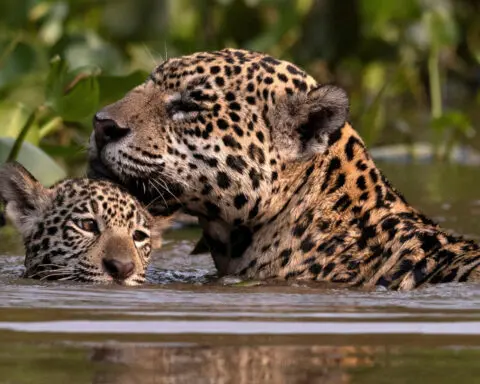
(24,196)
(302,122)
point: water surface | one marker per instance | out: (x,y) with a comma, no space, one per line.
(189,328)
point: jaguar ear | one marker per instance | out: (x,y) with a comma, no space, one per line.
(24,196)
(302,122)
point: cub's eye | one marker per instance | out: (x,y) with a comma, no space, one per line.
(139,236)
(88,225)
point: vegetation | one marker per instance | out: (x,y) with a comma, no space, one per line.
(410,67)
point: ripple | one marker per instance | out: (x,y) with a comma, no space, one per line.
(246,327)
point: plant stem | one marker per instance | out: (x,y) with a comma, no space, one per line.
(21,137)
(51,126)
(435,85)
(435,92)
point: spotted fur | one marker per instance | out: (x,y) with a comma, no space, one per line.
(282,184)
(79,229)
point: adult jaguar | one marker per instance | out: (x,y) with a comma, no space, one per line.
(79,229)
(283,186)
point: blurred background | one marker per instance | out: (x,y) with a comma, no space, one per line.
(410,67)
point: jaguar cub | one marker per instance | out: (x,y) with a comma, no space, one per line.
(79,229)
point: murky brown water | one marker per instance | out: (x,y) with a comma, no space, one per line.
(184,330)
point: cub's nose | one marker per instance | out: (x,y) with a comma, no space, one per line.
(107,130)
(117,269)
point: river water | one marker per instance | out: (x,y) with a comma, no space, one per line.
(190,328)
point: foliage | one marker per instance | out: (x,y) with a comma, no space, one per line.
(34,159)
(406,65)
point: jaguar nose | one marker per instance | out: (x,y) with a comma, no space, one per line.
(107,130)
(118,269)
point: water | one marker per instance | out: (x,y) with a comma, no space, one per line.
(193,329)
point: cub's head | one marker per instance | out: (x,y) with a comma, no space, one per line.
(213,132)
(79,229)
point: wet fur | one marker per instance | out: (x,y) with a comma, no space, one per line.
(56,248)
(283,186)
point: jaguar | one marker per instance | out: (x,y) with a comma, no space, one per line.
(281,183)
(78,229)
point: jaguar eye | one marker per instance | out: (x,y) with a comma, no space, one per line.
(183,108)
(88,225)
(139,236)
(189,106)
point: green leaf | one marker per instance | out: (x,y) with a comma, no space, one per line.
(20,59)
(93,51)
(55,81)
(384,18)
(42,166)
(113,88)
(13,117)
(73,95)
(52,27)
(53,125)
(374,77)
(453,120)
(81,101)
(72,151)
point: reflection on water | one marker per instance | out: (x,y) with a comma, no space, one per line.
(232,364)
(112,363)
(282,364)
(188,327)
